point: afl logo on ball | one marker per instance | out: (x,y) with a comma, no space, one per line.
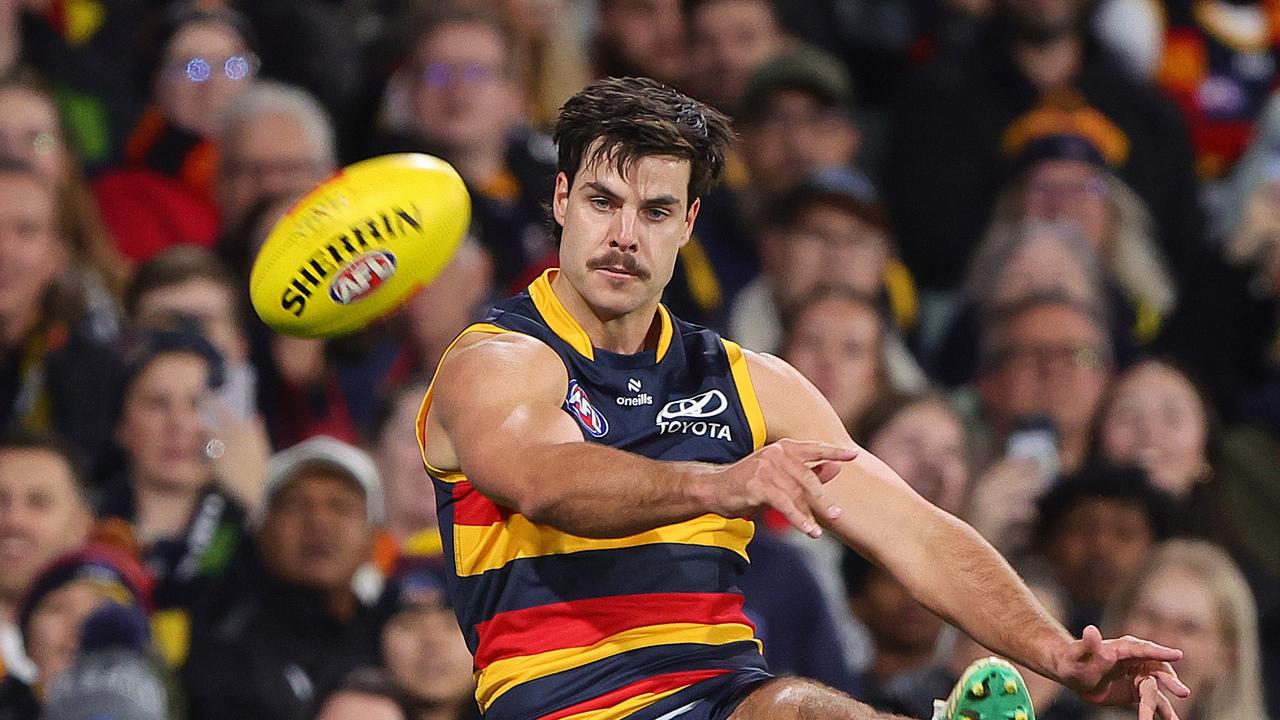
(362,276)
(586,413)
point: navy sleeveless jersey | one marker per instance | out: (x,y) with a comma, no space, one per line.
(565,627)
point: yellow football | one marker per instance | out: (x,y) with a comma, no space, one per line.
(359,244)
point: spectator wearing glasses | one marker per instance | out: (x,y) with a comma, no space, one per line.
(164,192)
(457,96)
(1021,258)
(274,141)
(1046,353)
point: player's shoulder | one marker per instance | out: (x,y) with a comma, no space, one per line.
(769,368)
(502,362)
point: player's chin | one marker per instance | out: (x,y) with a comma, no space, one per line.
(615,303)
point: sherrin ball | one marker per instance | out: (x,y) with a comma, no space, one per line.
(359,245)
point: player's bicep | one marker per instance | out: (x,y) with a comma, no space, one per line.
(496,401)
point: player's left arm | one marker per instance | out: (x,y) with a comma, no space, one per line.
(942,561)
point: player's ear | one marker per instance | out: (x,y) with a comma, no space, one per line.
(689,218)
(560,199)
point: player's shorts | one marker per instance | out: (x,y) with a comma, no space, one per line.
(713,699)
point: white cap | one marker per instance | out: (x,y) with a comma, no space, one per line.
(333,454)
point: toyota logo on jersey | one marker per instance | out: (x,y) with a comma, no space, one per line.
(590,418)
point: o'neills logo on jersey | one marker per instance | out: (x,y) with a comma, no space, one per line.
(582,409)
(362,276)
(688,416)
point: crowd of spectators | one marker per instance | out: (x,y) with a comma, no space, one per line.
(1028,249)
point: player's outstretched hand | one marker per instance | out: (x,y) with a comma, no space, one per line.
(788,476)
(1123,671)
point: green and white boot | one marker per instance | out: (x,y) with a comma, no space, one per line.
(990,689)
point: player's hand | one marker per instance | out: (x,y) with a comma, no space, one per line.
(1123,671)
(788,476)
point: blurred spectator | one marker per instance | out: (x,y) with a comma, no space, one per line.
(66,593)
(728,40)
(1235,348)
(1219,64)
(178,500)
(641,37)
(113,674)
(1190,595)
(365,694)
(459,296)
(1156,417)
(423,649)
(796,119)
(164,192)
(903,673)
(462,101)
(1017,260)
(836,339)
(54,376)
(550,57)
(43,514)
(298,628)
(88,61)
(411,497)
(829,230)
(32,132)
(923,439)
(274,141)
(190,284)
(944,166)
(1095,528)
(1047,353)
(1067,164)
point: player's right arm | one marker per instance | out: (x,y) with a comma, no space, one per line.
(496,416)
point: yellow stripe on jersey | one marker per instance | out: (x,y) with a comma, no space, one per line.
(746,392)
(623,709)
(568,329)
(481,548)
(503,675)
(421,422)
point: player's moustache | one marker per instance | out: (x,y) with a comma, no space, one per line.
(617,259)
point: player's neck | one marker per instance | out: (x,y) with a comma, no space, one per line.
(624,334)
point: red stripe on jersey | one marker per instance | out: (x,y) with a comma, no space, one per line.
(655,684)
(471,507)
(583,623)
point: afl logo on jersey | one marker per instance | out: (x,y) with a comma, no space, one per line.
(584,411)
(362,276)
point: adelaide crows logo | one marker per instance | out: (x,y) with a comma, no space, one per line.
(584,411)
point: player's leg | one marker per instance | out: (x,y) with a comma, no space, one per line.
(799,699)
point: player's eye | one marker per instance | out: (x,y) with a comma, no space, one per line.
(600,203)
(657,214)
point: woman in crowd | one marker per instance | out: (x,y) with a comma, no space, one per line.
(1189,595)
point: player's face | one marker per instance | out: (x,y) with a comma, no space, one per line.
(622,232)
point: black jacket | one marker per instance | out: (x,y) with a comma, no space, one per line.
(275,653)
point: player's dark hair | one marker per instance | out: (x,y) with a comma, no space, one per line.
(621,120)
